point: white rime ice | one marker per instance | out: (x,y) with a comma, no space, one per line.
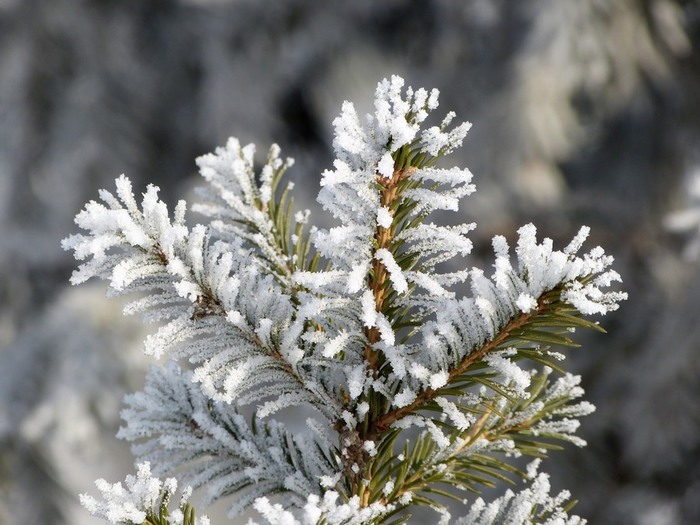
(143,495)
(357,321)
(517,509)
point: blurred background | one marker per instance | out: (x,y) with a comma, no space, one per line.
(584,112)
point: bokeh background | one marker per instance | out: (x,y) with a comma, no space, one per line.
(584,112)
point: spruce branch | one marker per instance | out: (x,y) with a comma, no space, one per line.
(144,501)
(541,325)
(531,426)
(417,395)
(178,429)
(241,208)
(200,286)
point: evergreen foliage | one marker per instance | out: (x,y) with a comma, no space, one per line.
(416,395)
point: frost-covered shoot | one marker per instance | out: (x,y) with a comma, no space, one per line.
(414,392)
(144,500)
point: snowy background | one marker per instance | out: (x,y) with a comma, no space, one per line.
(584,112)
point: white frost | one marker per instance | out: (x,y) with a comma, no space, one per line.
(384,217)
(404,398)
(526,303)
(143,493)
(386,166)
(395,273)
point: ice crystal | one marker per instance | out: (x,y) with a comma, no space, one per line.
(142,497)
(532,505)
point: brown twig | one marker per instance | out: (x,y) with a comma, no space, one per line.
(383,238)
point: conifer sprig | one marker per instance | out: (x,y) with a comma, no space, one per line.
(415,395)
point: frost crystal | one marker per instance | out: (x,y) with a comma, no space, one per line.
(404,398)
(526,303)
(350,513)
(141,498)
(395,273)
(384,217)
(385,167)
(523,508)
(515,376)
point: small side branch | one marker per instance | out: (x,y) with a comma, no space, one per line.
(383,423)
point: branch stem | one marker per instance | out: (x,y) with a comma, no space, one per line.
(383,238)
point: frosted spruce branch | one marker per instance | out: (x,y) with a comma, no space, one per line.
(413,395)
(145,500)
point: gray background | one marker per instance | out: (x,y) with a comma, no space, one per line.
(584,112)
